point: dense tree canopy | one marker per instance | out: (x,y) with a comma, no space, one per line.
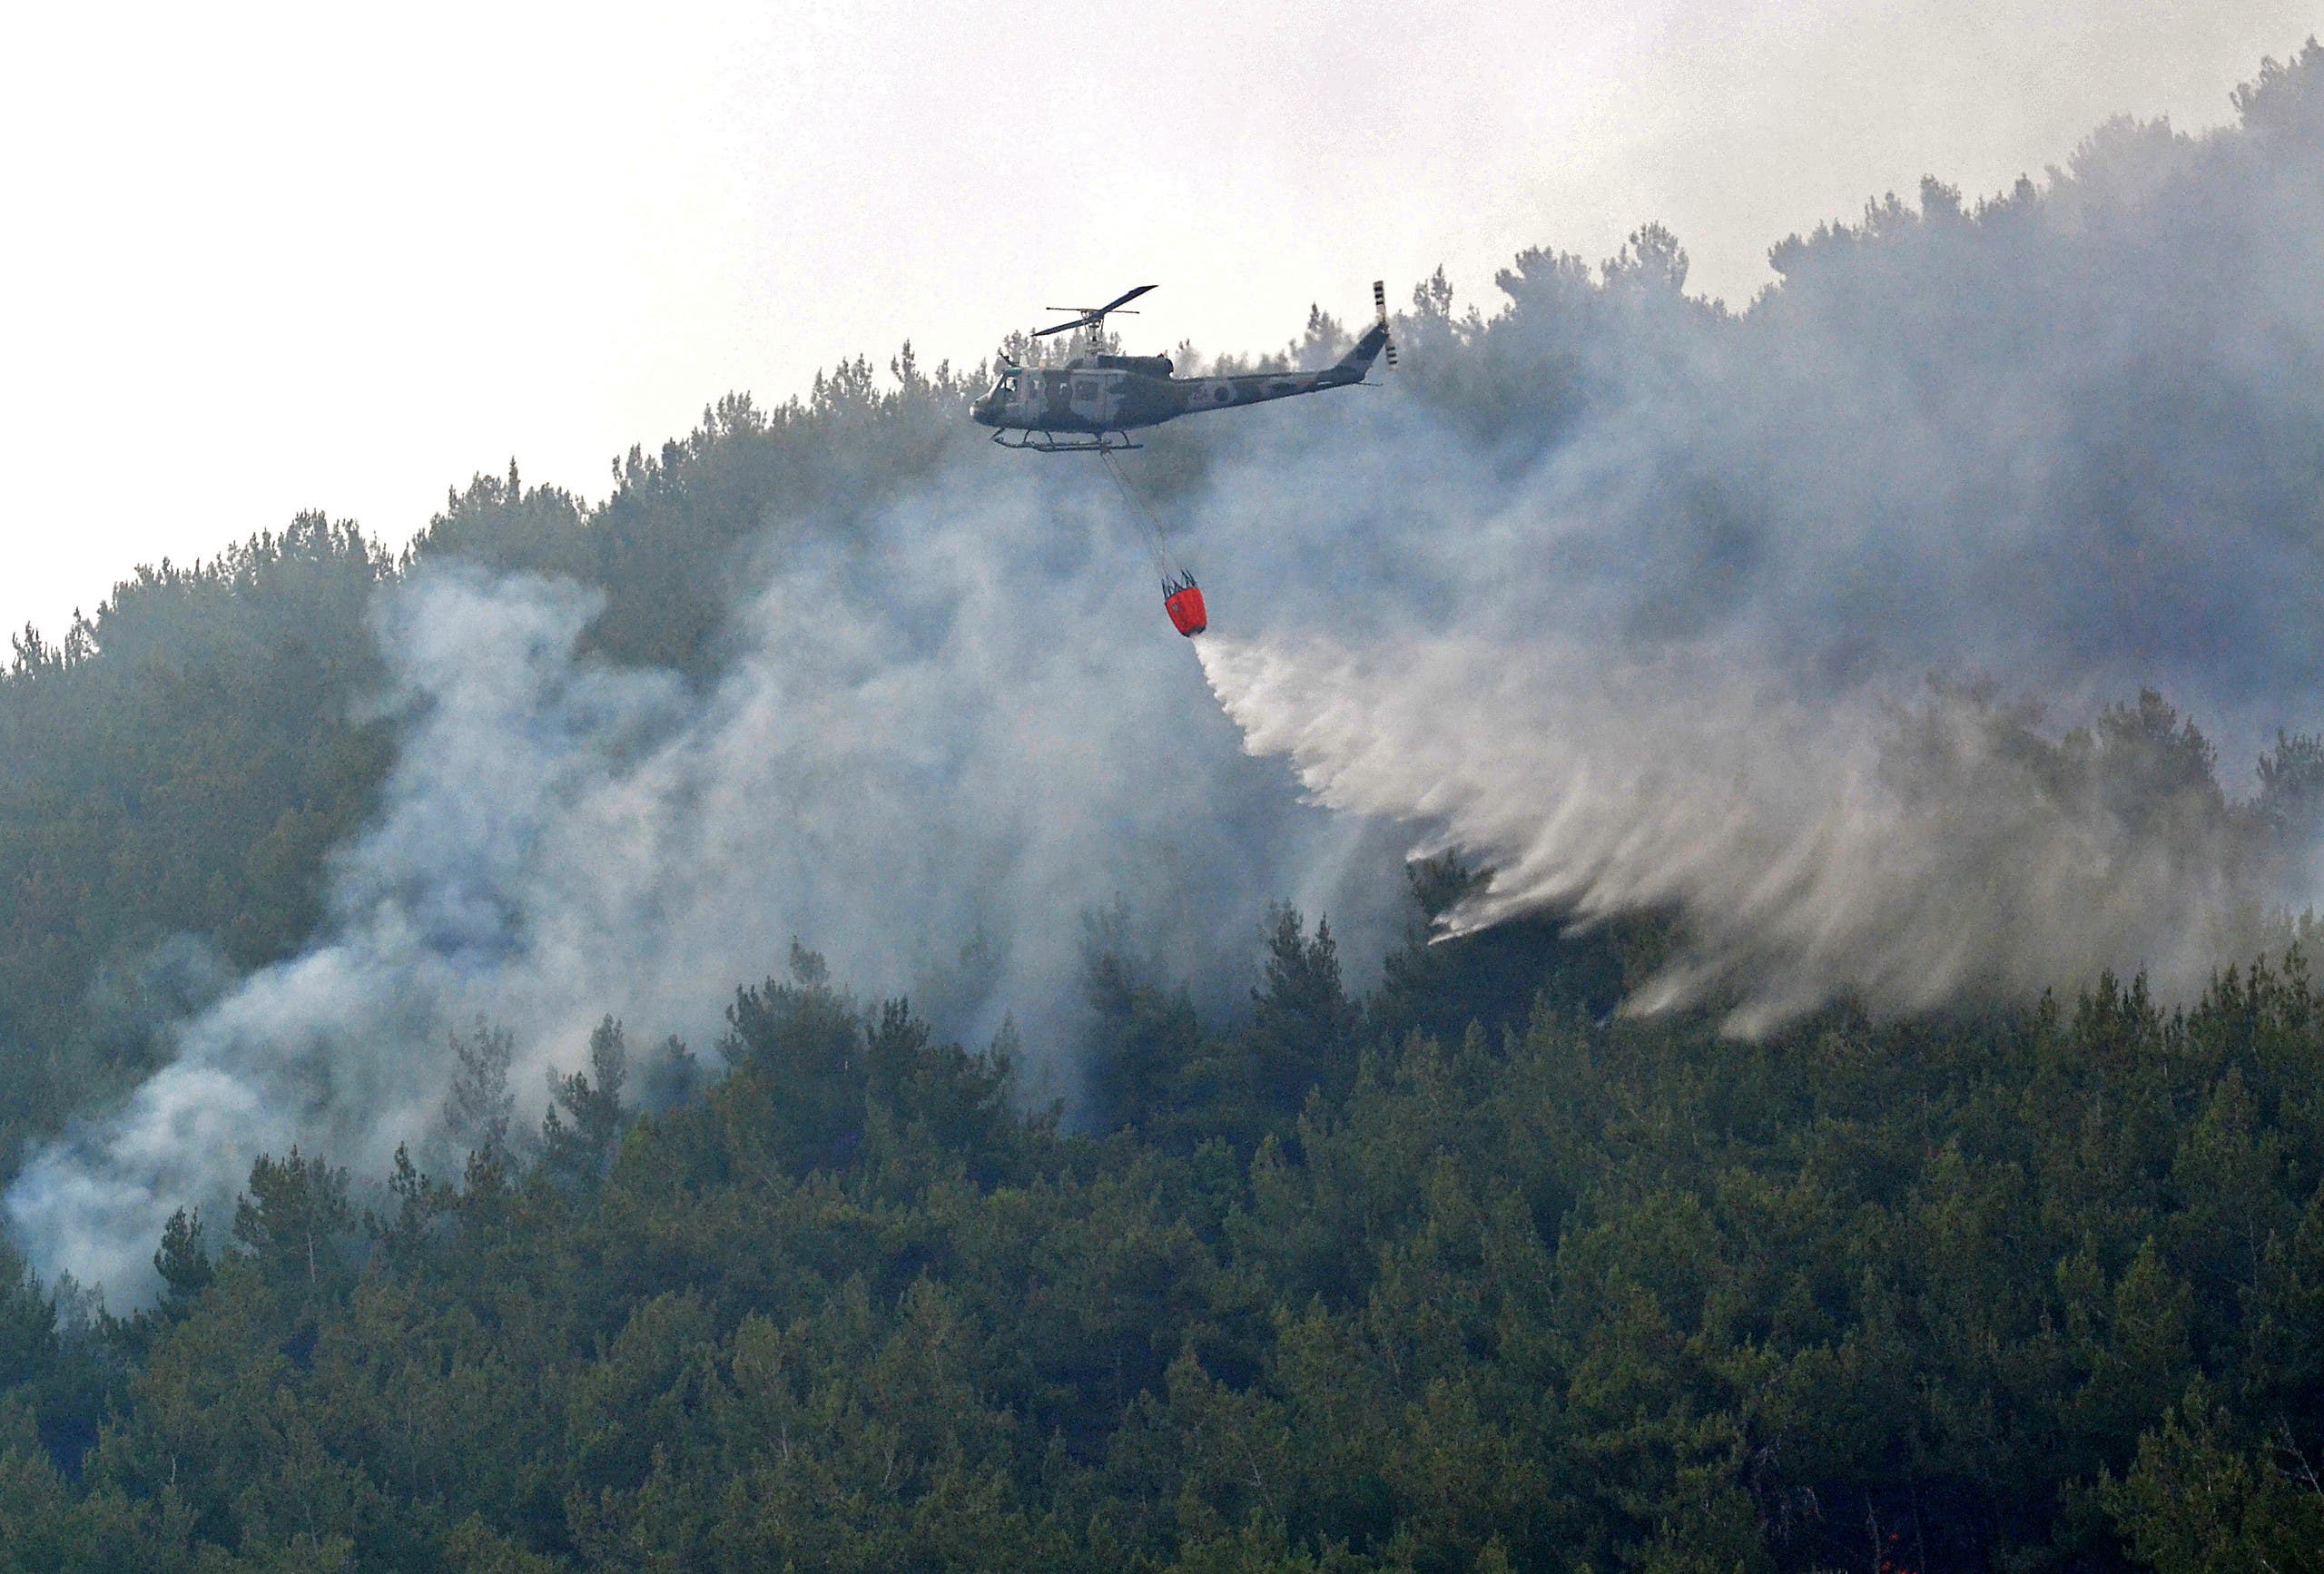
(2034,1288)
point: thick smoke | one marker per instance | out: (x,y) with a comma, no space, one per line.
(934,756)
(1672,655)
(1631,599)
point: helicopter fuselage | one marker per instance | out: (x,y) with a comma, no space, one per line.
(1077,406)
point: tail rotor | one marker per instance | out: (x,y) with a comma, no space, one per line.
(1380,305)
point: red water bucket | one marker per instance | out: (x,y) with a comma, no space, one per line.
(1188,615)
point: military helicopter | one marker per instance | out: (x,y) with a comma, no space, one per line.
(1092,404)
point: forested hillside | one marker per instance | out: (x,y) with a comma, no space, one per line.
(174,770)
(2038,1288)
(172,774)
(1693,1194)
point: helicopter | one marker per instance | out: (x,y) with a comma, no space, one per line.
(1092,404)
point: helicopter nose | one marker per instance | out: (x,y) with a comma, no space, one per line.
(983,412)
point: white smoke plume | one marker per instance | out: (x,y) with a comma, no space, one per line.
(1630,598)
(1665,645)
(930,773)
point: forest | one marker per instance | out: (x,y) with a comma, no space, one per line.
(1434,1260)
(1428,1280)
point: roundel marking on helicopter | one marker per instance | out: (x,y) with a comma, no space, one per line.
(1221,392)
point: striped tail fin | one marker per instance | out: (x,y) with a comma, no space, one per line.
(1380,305)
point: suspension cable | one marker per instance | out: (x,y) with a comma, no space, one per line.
(1167,569)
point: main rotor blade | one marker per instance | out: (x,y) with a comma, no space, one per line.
(1091,315)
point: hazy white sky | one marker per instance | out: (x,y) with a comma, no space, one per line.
(258,258)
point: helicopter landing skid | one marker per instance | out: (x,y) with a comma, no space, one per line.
(1071,443)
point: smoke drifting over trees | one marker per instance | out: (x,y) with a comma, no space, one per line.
(1631,599)
(1827,684)
(2049,449)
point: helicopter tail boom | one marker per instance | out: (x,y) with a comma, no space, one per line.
(1367,350)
